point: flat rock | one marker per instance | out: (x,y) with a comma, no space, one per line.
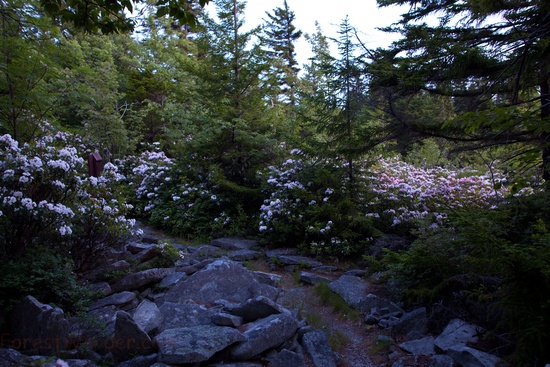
(172,279)
(222,279)
(470,357)
(317,346)
(225,319)
(264,334)
(194,344)
(244,255)
(302,261)
(124,300)
(416,320)
(287,358)
(311,278)
(234,243)
(177,315)
(457,332)
(140,279)
(424,346)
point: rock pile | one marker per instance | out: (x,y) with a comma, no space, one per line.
(209,310)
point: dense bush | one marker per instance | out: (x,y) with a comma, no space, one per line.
(309,205)
(54,218)
(182,201)
(494,264)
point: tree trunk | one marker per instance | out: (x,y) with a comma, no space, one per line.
(545,135)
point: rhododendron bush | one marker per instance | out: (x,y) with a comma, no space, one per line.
(48,199)
(320,212)
(179,201)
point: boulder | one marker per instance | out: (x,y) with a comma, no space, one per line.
(354,291)
(317,346)
(424,346)
(129,339)
(234,243)
(137,247)
(273,280)
(311,278)
(222,279)
(440,360)
(172,279)
(194,344)
(255,308)
(140,279)
(177,315)
(37,326)
(287,358)
(12,358)
(225,319)
(244,255)
(140,361)
(148,317)
(470,357)
(124,300)
(416,320)
(456,333)
(264,334)
(302,261)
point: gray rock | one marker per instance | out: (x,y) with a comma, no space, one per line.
(237,364)
(255,308)
(172,279)
(148,317)
(102,288)
(178,315)
(317,346)
(356,273)
(287,358)
(354,291)
(124,300)
(140,279)
(424,346)
(206,251)
(265,334)
(311,278)
(129,339)
(244,255)
(470,357)
(440,360)
(416,320)
(225,319)
(325,269)
(457,332)
(234,243)
(12,358)
(140,361)
(38,326)
(273,280)
(222,279)
(302,261)
(146,255)
(136,247)
(194,344)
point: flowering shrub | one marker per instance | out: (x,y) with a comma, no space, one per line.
(169,199)
(404,194)
(47,199)
(309,203)
(310,206)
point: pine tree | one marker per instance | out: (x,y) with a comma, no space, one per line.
(281,35)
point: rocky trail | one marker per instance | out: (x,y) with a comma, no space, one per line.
(230,303)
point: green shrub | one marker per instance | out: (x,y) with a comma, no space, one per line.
(44,275)
(496,260)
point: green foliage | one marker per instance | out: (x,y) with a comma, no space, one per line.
(497,259)
(44,275)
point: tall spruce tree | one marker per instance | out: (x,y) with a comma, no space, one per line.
(281,35)
(491,57)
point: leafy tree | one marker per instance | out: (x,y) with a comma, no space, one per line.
(29,61)
(490,57)
(280,36)
(112,16)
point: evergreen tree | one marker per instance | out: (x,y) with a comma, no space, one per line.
(281,35)
(490,57)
